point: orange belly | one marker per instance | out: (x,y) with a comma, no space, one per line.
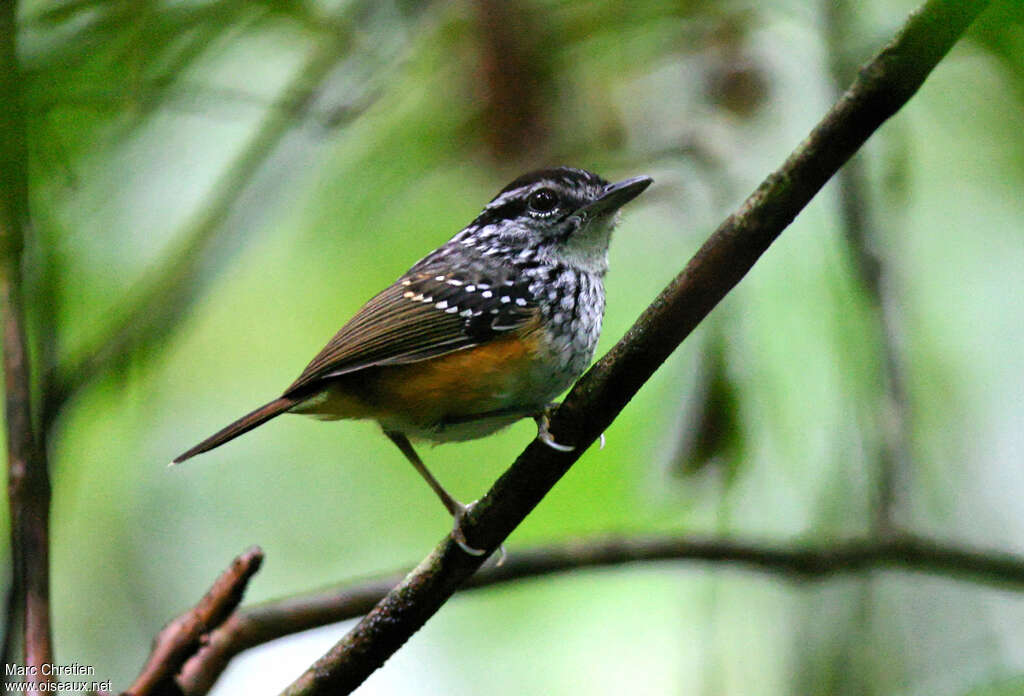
(423,396)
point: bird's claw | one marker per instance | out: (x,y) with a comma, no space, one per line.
(460,539)
(544,433)
(548,440)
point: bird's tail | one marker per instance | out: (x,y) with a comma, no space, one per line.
(240,426)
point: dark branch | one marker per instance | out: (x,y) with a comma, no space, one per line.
(262,623)
(28,481)
(180,639)
(881,88)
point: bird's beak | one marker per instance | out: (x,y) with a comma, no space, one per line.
(614,197)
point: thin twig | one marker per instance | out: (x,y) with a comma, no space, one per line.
(887,445)
(180,639)
(861,234)
(28,482)
(881,88)
(269,621)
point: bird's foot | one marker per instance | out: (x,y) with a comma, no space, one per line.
(460,539)
(543,429)
(457,536)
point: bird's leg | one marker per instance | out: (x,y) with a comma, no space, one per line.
(455,508)
(543,419)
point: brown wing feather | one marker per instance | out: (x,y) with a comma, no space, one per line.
(405,323)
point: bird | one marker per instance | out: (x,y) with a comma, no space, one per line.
(485,330)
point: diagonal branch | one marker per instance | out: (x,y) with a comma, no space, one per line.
(181,638)
(881,88)
(28,481)
(262,623)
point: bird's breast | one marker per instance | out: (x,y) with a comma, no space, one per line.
(572,309)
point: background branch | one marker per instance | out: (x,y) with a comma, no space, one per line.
(881,88)
(887,436)
(155,308)
(269,621)
(28,481)
(181,638)
(861,233)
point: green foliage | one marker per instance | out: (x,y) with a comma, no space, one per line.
(1001,687)
(261,168)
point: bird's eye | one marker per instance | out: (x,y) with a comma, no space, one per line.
(543,201)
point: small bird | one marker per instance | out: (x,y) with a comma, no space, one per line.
(482,332)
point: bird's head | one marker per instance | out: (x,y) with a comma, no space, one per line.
(560,215)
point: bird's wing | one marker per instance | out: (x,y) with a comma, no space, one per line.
(426,313)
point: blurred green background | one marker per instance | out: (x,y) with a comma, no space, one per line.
(262,168)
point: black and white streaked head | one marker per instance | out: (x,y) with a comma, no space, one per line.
(558,217)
